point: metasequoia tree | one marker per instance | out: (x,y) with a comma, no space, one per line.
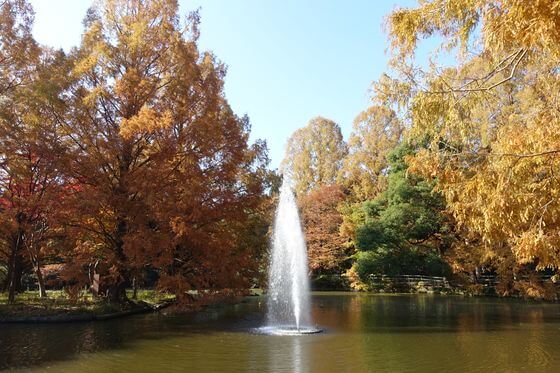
(17,47)
(493,121)
(160,168)
(376,131)
(314,155)
(321,222)
(29,188)
(16,44)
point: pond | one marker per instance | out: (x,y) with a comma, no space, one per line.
(363,332)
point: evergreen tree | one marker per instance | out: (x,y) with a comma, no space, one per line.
(404,230)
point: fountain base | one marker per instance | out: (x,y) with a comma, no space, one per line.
(288,330)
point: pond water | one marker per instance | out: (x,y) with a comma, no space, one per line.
(363,333)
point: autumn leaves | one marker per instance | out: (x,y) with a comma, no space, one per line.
(485,131)
(123,156)
(492,124)
(149,168)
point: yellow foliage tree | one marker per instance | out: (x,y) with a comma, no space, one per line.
(493,122)
(377,130)
(314,155)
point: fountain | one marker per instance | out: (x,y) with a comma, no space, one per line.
(288,298)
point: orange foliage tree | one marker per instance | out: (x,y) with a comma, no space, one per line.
(162,173)
(321,220)
(29,185)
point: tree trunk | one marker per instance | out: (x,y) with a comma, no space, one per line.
(15,269)
(116,293)
(134,289)
(40,281)
(6,282)
(36,263)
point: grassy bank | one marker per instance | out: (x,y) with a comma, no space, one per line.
(58,306)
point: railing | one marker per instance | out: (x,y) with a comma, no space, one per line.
(412,281)
(493,280)
(421,283)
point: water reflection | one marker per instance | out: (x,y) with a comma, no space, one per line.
(363,333)
(428,314)
(286,354)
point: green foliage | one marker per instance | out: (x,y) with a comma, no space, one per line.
(404,230)
(329,282)
(393,263)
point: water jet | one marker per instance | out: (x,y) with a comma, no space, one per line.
(288,301)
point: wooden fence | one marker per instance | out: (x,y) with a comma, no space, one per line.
(493,280)
(418,282)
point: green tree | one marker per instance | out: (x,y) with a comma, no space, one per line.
(405,230)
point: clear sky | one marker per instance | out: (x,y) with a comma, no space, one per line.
(288,61)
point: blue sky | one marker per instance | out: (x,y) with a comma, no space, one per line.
(288,61)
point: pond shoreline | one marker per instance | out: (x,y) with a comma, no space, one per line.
(69,315)
(65,315)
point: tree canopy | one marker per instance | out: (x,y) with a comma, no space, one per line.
(405,229)
(321,220)
(492,120)
(132,137)
(314,155)
(376,131)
